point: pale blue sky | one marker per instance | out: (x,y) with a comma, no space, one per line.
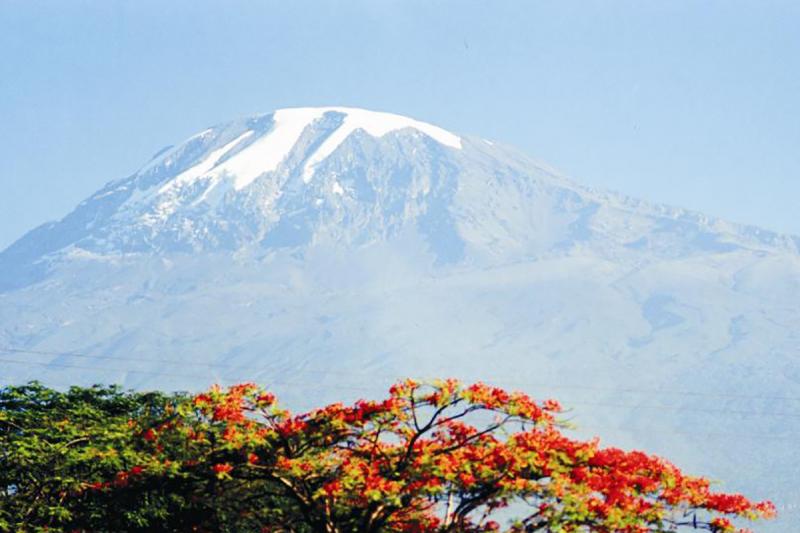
(692,103)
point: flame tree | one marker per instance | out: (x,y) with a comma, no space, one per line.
(437,457)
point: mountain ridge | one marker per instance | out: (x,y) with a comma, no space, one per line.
(206,171)
(402,255)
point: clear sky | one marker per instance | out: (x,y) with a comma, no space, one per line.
(691,103)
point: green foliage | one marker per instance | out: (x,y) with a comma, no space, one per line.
(431,458)
(54,445)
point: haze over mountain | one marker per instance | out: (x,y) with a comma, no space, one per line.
(329,251)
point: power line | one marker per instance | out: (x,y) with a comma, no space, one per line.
(498,380)
(770,437)
(104,369)
(786,508)
(693,409)
(367,389)
(110,357)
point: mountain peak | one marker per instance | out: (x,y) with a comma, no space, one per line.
(297,177)
(374,123)
(257,150)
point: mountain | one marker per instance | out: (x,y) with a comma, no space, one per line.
(328,251)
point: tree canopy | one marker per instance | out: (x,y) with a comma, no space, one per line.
(431,457)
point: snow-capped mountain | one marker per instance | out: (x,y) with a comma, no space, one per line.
(328,251)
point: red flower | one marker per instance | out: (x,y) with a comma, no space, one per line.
(721,524)
(552,405)
(332,488)
(429,442)
(222,468)
(467,480)
(265,399)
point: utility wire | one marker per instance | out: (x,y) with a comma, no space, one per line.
(367,389)
(786,508)
(726,435)
(507,381)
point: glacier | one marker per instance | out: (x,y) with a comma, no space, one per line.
(327,252)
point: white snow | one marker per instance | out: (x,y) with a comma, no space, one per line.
(337,188)
(205,166)
(201,134)
(267,153)
(103,195)
(376,124)
(168,193)
(164,155)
